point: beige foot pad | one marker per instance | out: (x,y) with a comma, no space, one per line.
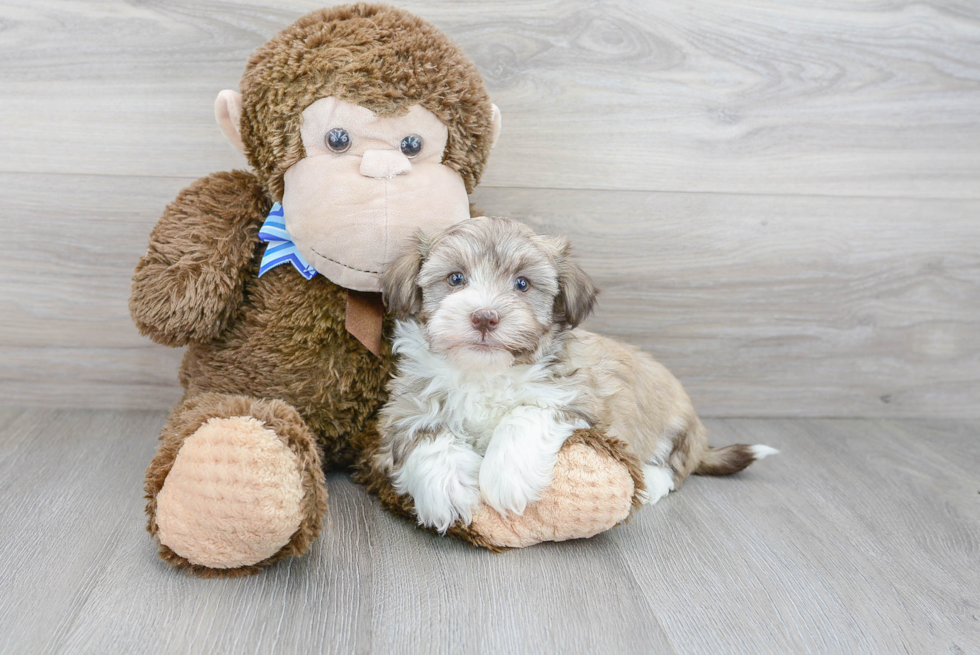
(591,493)
(232,497)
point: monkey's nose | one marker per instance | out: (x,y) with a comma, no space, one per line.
(384,164)
(485,320)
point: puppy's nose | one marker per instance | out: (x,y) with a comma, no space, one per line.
(384,164)
(485,320)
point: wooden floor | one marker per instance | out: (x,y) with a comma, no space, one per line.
(863,536)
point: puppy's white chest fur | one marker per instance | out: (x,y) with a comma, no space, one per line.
(471,404)
(480,404)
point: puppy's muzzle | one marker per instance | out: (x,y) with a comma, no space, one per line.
(485,320)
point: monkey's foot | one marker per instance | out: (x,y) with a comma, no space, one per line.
(596,483)
(236,491)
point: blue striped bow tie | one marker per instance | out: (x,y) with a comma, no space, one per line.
(281,248)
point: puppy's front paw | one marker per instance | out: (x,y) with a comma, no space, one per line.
(520,460)
(441,475)
(440,508)
(506,486)
(594,487)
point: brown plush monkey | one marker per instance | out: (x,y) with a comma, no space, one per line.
(362,123)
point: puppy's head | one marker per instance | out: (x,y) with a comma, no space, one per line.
(488,291)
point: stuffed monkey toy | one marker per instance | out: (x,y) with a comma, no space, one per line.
(362,124)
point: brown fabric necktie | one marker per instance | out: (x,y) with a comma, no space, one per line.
(365,312)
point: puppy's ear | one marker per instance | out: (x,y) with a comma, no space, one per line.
(399,282)
(576,292)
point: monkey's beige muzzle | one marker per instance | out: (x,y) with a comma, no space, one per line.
(352,225)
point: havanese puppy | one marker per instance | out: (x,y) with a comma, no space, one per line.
(493,376)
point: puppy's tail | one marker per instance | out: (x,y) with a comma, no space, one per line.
(731,459)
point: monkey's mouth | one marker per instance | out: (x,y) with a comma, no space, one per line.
(339,263)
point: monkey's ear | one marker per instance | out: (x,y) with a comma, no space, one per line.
(399,282)
(228,112)
(496,126)
(576,292)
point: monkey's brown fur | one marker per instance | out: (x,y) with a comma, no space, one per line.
(276,348)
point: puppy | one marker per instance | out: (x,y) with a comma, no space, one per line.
(494,376)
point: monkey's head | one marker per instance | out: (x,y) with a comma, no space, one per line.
(367,123)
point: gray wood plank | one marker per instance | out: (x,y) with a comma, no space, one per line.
(12,423)
(318,603)
(436,595)
(943,442)
(844,543)
(769,97)
(761,305)
(71,484)
(922,496)
(861,537)
(142,377)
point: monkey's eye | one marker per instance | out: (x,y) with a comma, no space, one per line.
(521,284)
(411,145)
(456,279)
(338,139)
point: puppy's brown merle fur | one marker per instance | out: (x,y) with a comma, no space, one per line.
(494,375)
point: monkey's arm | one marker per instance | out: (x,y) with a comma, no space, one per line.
(188,285)
(598,480)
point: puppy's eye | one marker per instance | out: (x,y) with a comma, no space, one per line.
(521,284)
(411,145)
(456,279)
(338,139)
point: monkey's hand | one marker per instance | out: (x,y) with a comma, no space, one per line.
(188,285)
(596,482)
